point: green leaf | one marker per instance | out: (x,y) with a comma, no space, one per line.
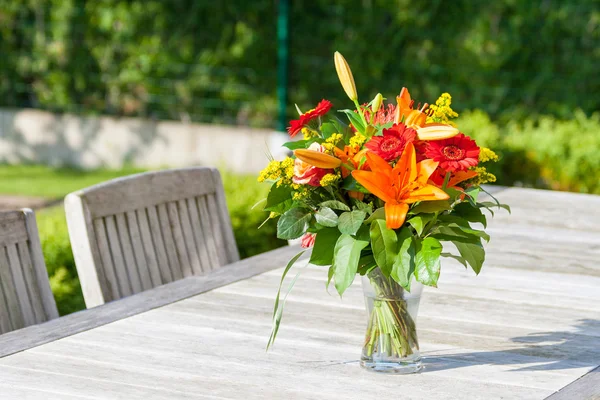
(463,231)
(293,223)
(427,261)
(377,214)
(361,205)
(363,233)
(355,120)
(419,221)
(330,274)
(489,205)
(345,261)
(278,311)
(473,253)
(326,217)
(328,129)
(470,213)
(457,258)
(384,243)
(473,193)
(322,252)
(350,221)
(336,205)
(298,144)
(349,183)
(404,264)
(431,206)
(452,234)
(279,199)
(366,264)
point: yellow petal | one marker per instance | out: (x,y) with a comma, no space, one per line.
(436,132)
(317,159)
(415,119)
(379,185)
(395,215)
(345,75)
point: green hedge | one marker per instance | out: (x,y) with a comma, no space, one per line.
(242,193)
(543,152)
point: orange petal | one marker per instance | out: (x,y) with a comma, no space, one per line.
(378,164)
(405,170)
(424,170)
(403,108)
(461,176)
(426,193)
(317,159)
(379,185)
(395,214)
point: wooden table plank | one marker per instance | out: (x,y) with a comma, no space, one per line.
(526,328)
(88,319)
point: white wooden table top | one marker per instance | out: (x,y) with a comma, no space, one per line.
(526,327)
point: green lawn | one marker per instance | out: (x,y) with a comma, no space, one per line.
(35,180)
(242,192)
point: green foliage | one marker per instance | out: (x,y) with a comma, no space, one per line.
(345,262)
(149,57)
(544,152)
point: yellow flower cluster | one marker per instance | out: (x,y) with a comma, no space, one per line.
(331,142)
(329,180)
(358,140)
(309,133)
(442,112)
(280,171)
(486,155)
(482,177)
(301,193)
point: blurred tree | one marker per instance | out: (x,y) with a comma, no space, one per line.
(216,61)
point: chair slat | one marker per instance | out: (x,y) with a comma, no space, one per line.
(211,242)
(179,240)
(10,292)
(159,245)
(128,256)
(117,256)
(35,298)
(138,250)
(154,252)
(188,237)
(16,270)
(205,261)
(216,228)
(106,259)
(149,229)
(167,233)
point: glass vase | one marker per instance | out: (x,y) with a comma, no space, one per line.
(391,343)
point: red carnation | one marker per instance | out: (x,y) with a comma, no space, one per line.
(296,125)
(457,153)
(391,145)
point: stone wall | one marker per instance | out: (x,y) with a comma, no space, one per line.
(34,136)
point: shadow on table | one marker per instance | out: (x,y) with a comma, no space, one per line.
(547,351)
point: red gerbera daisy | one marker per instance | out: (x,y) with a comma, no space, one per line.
(455,154)
(391,145)
(296,125)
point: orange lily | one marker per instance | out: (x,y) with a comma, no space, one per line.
(349,155)
(455,179)
(400,186)
(417,119)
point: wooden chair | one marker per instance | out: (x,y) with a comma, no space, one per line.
(25,295)
(138,232)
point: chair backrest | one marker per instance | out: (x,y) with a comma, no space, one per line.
(25,295)
(138,232)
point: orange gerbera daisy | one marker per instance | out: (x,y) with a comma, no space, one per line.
(400,186)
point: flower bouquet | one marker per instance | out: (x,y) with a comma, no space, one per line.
(385,195)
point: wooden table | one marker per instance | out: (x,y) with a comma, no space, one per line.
(528,326)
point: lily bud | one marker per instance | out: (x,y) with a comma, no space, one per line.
(317,159)
(436,132)
(376,103)
(345,75)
